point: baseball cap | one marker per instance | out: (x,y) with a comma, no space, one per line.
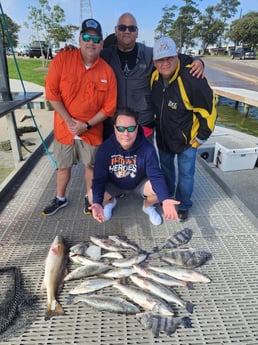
(92,24)
(164,47)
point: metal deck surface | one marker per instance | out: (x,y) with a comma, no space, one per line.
(226,310)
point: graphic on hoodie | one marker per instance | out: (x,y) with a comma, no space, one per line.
(123,166)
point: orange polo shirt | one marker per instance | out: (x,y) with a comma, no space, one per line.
(84,93)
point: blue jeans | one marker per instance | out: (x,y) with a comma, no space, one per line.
(181,186)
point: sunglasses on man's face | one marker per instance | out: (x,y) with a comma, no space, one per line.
(88,37)
(129,129)
(131,28)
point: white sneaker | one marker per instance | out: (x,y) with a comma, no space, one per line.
(108,209)
(154,216)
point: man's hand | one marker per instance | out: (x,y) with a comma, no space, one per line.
(97,212)
(169,210)
(197,69)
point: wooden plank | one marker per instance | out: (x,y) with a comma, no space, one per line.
(245,96)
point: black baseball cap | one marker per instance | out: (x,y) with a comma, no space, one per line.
(92,24)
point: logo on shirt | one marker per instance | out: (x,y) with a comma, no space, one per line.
(172,105)
(123,166)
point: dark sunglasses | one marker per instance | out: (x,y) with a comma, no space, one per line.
(129,129)
(88,37)
(131,28)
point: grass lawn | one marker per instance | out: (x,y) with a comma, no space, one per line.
(30,69)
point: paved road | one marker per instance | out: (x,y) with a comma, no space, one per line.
(232,73)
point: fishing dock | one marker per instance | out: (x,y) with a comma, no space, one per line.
(222,220)
(248,98)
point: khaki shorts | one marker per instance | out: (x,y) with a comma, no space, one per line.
(68,155)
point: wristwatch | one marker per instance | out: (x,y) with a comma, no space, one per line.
(88,126)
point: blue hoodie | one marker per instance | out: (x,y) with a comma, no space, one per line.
(127,168)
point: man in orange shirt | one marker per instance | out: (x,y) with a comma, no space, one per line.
(82,89)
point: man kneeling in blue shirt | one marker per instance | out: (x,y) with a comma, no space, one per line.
(127,163)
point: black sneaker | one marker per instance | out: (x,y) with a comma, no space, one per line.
(182,215)
(55,206)
(86,207)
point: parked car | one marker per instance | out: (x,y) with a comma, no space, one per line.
(8,51)
(40,48)
(244,53)
(23,50)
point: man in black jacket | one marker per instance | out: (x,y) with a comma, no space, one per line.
(185,118)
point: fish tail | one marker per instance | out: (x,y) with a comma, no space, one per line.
(53,312)
(190,285)
(186,322)
(189,307)
(70,298)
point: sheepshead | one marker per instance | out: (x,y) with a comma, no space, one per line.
(179,238)
(189,258)
(159,277)
(161,291)
(185,274)
(91,285)
(55,271)
(13,300)
(125,242)
(106,303)
(146,300)
(119,272)
(106,243)
(87,271)
(80,248)
(161,323)
(127,262)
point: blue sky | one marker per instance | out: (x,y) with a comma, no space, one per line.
(148,13)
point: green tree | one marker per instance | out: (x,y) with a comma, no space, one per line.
(9,31)
(182,29)
(209,28)
(167,21)
(46,22)
(245,30)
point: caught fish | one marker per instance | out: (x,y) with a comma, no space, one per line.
(106,303)
(80,248)
(55,271)
(159,277)
(185,274)
(112,255)
(10,310)
(127,262)
(161,291)
(161,323)
(82,260)
(119,272)
(189,258)
(87,271)
(106,243)
(125,242)
(179,238)
(145,299)
(91,285)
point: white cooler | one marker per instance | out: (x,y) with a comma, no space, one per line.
(234,159)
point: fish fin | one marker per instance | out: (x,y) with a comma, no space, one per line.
(186,322)
(69,298)
(189,307)
(190,285)
(53,312)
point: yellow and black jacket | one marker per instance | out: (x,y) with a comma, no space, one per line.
(185,109)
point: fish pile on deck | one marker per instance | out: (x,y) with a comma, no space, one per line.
(144,279)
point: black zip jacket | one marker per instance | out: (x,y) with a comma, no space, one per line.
(185,109)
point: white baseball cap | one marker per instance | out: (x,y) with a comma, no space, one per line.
(164,47)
